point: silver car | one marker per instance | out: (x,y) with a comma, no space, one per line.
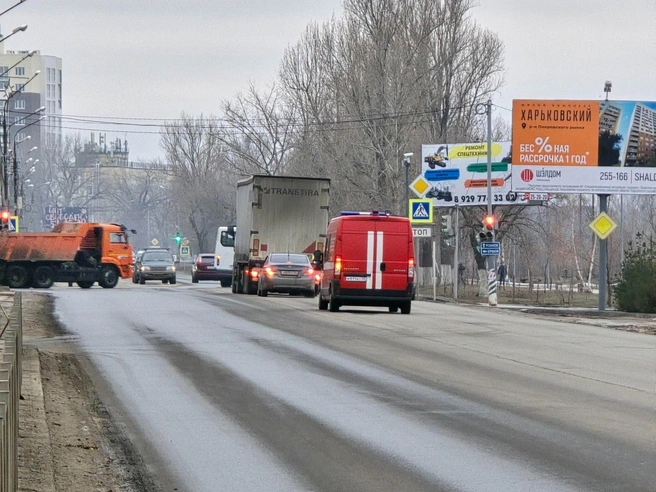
(286,272)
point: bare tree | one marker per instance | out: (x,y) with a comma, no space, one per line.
(197,165)
(72,184)
(389,76)
(258,132)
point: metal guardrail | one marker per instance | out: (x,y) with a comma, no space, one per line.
(11,349)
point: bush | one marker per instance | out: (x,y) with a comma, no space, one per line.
(636,290)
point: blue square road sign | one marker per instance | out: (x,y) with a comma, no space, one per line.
(421,211)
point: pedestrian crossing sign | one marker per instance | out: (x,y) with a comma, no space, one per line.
(421,211)
(13,224)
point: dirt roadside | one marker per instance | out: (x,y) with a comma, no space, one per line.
(68,440)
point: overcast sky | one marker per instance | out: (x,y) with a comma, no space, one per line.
(157,58)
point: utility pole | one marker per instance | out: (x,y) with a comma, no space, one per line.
(490,221)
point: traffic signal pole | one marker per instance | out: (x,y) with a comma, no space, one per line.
(490,260)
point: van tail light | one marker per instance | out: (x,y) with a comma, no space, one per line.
(411,268)
(338,265)
(270,272)
(254,273)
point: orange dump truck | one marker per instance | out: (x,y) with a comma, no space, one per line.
(80,252)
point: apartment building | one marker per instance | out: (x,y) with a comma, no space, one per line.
(23,91)
(641,141)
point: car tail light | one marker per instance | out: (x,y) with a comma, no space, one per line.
(338,265)
(270,272)
(309,272)
(411,268)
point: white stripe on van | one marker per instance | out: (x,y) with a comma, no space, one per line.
(370,259)
(379,259)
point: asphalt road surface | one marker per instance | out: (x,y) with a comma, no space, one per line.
(239,393)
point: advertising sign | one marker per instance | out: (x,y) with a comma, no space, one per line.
(456,174)
(606,147)
(53,215)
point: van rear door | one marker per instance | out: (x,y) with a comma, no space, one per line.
(394,248)
(356,270)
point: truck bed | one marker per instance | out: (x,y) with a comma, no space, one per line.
(42,246)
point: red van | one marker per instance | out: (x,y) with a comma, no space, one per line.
(368,261)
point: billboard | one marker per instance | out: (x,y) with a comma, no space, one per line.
(456,174)
(606,147)
(53,215)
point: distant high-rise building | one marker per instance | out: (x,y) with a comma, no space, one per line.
(23,92)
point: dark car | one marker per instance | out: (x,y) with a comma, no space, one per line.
(154,264)
(205,268)
(285,272)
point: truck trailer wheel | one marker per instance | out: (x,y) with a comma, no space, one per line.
(84,284)
(44,277)
(108,277)
(17,277)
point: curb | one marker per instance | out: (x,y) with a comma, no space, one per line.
(35,471)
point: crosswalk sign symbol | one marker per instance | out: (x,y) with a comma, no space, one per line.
(12,225)
(421,211)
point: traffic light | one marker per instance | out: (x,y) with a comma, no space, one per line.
(485,236)
(445,225)
(178,237)
(5,217)
(490,222)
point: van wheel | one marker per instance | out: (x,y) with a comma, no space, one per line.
(142,280)
(323,305)
(333,305)
(405,307)
(17,277)
(226,283)
(43,277)
(393,309)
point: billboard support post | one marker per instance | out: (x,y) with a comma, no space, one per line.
(456,257)
(603,258)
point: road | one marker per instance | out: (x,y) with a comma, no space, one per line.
(241,393)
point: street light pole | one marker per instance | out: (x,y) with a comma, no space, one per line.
(5,132)
(12,7)
(5,151)
(407,159)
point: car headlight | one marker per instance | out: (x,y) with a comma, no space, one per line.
(145,268)
(170,269)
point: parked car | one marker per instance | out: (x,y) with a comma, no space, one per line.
(154,264)
(285,272)
(204,267)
